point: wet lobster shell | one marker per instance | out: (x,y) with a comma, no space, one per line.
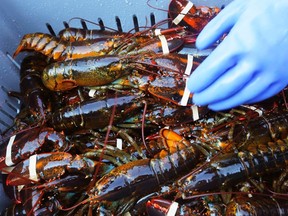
(196,17)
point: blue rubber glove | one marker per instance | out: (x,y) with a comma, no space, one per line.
(251,63)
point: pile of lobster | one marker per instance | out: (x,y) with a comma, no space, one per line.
(107,127)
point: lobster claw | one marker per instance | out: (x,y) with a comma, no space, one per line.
(185,13)
(28,142)
(43,166)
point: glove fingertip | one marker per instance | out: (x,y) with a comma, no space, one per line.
(210,35)
(198,100)
(220,24)
(192,85)
(207,38)
(202,43)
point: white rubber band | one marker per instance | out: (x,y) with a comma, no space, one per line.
(173,209)
(260,112)
(195,112)
(127,214)
(92,92)
(32,168)
(20,187)
(186,94)
(182,14)
(185,97)
(163,40)
(157,32)
(7,170)
(91,33)
(8,158)
(164,44)
(190,61)
(119,143)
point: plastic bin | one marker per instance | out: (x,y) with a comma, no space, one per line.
(19,17)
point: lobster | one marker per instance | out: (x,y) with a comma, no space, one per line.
(268,149)
(164,81)
(126,181)
(59,50)
(231,168)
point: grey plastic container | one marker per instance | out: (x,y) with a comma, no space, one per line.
(18,17)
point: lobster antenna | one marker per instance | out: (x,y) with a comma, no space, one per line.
(13,60)
(279,195)
(147,29)
(156,8)
(93,181)
(142,128)
(284,98)
(36,203)
(283,196)
(158,66)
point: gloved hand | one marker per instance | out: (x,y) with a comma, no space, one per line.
(251,63)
